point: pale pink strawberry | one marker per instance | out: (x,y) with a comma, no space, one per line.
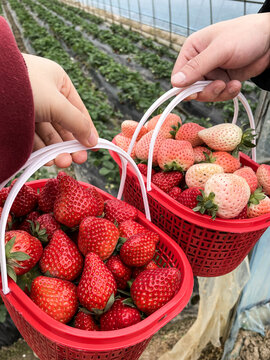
(169,127)
(222,137)
(175,155)
(263,176)
(198,174)
(123,142)
(189,132)
(229,163)
(142,147)
(175,192)
(128,128)
(263,207)
(231,194)
(199,155)
(249,175)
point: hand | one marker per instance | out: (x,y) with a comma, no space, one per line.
(228,52)
(60,114)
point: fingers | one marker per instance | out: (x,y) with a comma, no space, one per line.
(220,91)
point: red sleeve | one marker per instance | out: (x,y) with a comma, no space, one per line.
(16,106)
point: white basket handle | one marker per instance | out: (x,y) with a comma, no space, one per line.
(182,94)
(35,163)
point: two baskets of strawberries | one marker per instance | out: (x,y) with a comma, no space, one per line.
(84,251)
(211,199)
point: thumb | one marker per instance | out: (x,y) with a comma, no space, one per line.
(72,119)
(196,68)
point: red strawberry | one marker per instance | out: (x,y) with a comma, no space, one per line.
(25,201)
(143,169)
(166,180)
(138,250)
(121,272)
(23,251)
(44,227)
(119,316)
(189,132)
(130,227)
(73,202)
(263,175)
(97,284)
(97,235)
(3,195)
(99,199)
(243,213)
(9,220)
(61,258)
(137,270)
(154,288)
(56,297)
(128,128)
(249,175)
(119,211)
(26,224)
(189,197)
(175,155)
(175,192)
(48,195)
(85,321)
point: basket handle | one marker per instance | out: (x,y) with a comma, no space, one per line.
(35,163)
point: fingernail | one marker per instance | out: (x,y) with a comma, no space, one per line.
(232,90)
(217,90)
(179,78)
(92,141)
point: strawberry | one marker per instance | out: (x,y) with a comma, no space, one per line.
(119,316)
(154,288)
(73,202)
(138,250)
(121,272)
(130,227)
(199,154)
(198,174)
(169,127)
(3,195)
(249,175)
(119,211)
(97,284)
(228,194)
(259,204)
(229,163)
(128,128)
(25,201)
(85,321)
(142,147)
(143,169)
(23,251)
(222,137)
(56,297)
(166,180)
(175,192)
(263,176)
(189,132)
(9,220)
(123,142)
(44,227)
(61,258)
(137,270)
(26,224)
(98,197)
(242,214)
(189,196)
(48,195)
(97,235)
(175,155)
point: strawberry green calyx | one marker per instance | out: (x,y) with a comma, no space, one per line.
(206,204)
(209,158)
(38,232)
(246,142)
(256,197)
(174,130)
(13,258)
(173,166)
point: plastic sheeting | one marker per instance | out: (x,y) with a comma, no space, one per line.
(253,312)
(217,297)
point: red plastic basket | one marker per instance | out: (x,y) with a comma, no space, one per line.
(213,247)
(51,340)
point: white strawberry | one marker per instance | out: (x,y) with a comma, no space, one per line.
(263,176)
(222,137)
(198,174)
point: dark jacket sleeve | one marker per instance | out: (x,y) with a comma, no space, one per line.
(263,80)
(16,106)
